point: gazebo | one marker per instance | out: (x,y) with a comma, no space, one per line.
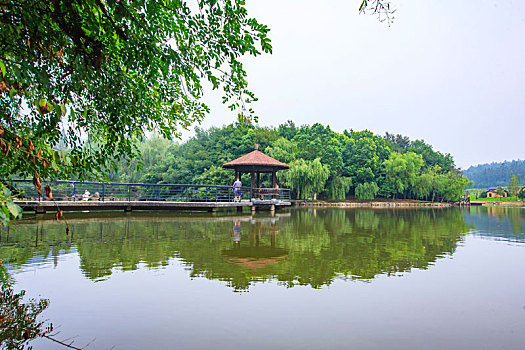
(256,163)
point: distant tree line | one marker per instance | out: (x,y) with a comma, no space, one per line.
(495,174)
(324,164)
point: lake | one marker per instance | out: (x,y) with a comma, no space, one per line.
(300,279)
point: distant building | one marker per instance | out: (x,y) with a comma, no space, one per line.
(496,192)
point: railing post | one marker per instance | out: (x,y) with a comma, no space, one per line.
(129,194)
(216,194)
(74,191)
(103,191)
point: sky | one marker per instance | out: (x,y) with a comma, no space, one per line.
(449,72)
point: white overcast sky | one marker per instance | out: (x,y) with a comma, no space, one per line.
(449,72)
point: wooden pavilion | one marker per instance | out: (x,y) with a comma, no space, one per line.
(256,163)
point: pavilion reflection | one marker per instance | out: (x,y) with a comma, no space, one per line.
(255,255)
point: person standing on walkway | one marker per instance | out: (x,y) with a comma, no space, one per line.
(237,190)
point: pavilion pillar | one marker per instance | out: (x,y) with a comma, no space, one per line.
(253,180)
(274,179)
(258,180)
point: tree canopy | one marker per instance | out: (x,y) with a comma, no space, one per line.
(323,163)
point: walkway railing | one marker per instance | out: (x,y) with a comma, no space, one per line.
(100,191)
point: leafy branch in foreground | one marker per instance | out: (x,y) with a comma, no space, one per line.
(9,211)
(74,74)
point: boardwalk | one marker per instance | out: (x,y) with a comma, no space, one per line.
(95,196)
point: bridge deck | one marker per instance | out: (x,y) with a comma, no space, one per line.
(43,206)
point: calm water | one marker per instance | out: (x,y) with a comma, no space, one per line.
(303,279)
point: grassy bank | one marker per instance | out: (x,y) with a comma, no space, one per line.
(503,199)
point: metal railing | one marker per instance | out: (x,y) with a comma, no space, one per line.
(103,191)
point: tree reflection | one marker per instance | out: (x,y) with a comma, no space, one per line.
(303,247)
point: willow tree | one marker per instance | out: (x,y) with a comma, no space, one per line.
(306,178)
(338,187)
(367,190)
(402,170)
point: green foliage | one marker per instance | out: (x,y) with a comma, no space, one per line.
(452,185)
(214,176)
(307,178)
(424,184)
(282,149)
(287,130)
(495,174)
(367,190)
(205,153)
(497,199)
(318,141)
(352,158)
(338,187)
(514,184)
(402,144)
(402,170)
(501,191)
(94,77)
(364,154)
(9,211)
(521,194)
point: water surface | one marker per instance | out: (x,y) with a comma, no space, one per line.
(302,279)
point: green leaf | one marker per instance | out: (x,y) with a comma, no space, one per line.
(14,209)
(12,92)
(4,219)
(59,110)
(2,67)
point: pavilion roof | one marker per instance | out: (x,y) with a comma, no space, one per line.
(255,158)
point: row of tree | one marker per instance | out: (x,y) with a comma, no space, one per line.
(323,163)
(495,174)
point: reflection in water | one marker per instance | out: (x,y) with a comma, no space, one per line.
(301,247)
(255,256)
(236,233)
(473,301)
(501,223)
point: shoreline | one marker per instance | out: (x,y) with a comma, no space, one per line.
(499,203)
(384,204)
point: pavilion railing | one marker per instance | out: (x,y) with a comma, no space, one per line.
(103,191)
